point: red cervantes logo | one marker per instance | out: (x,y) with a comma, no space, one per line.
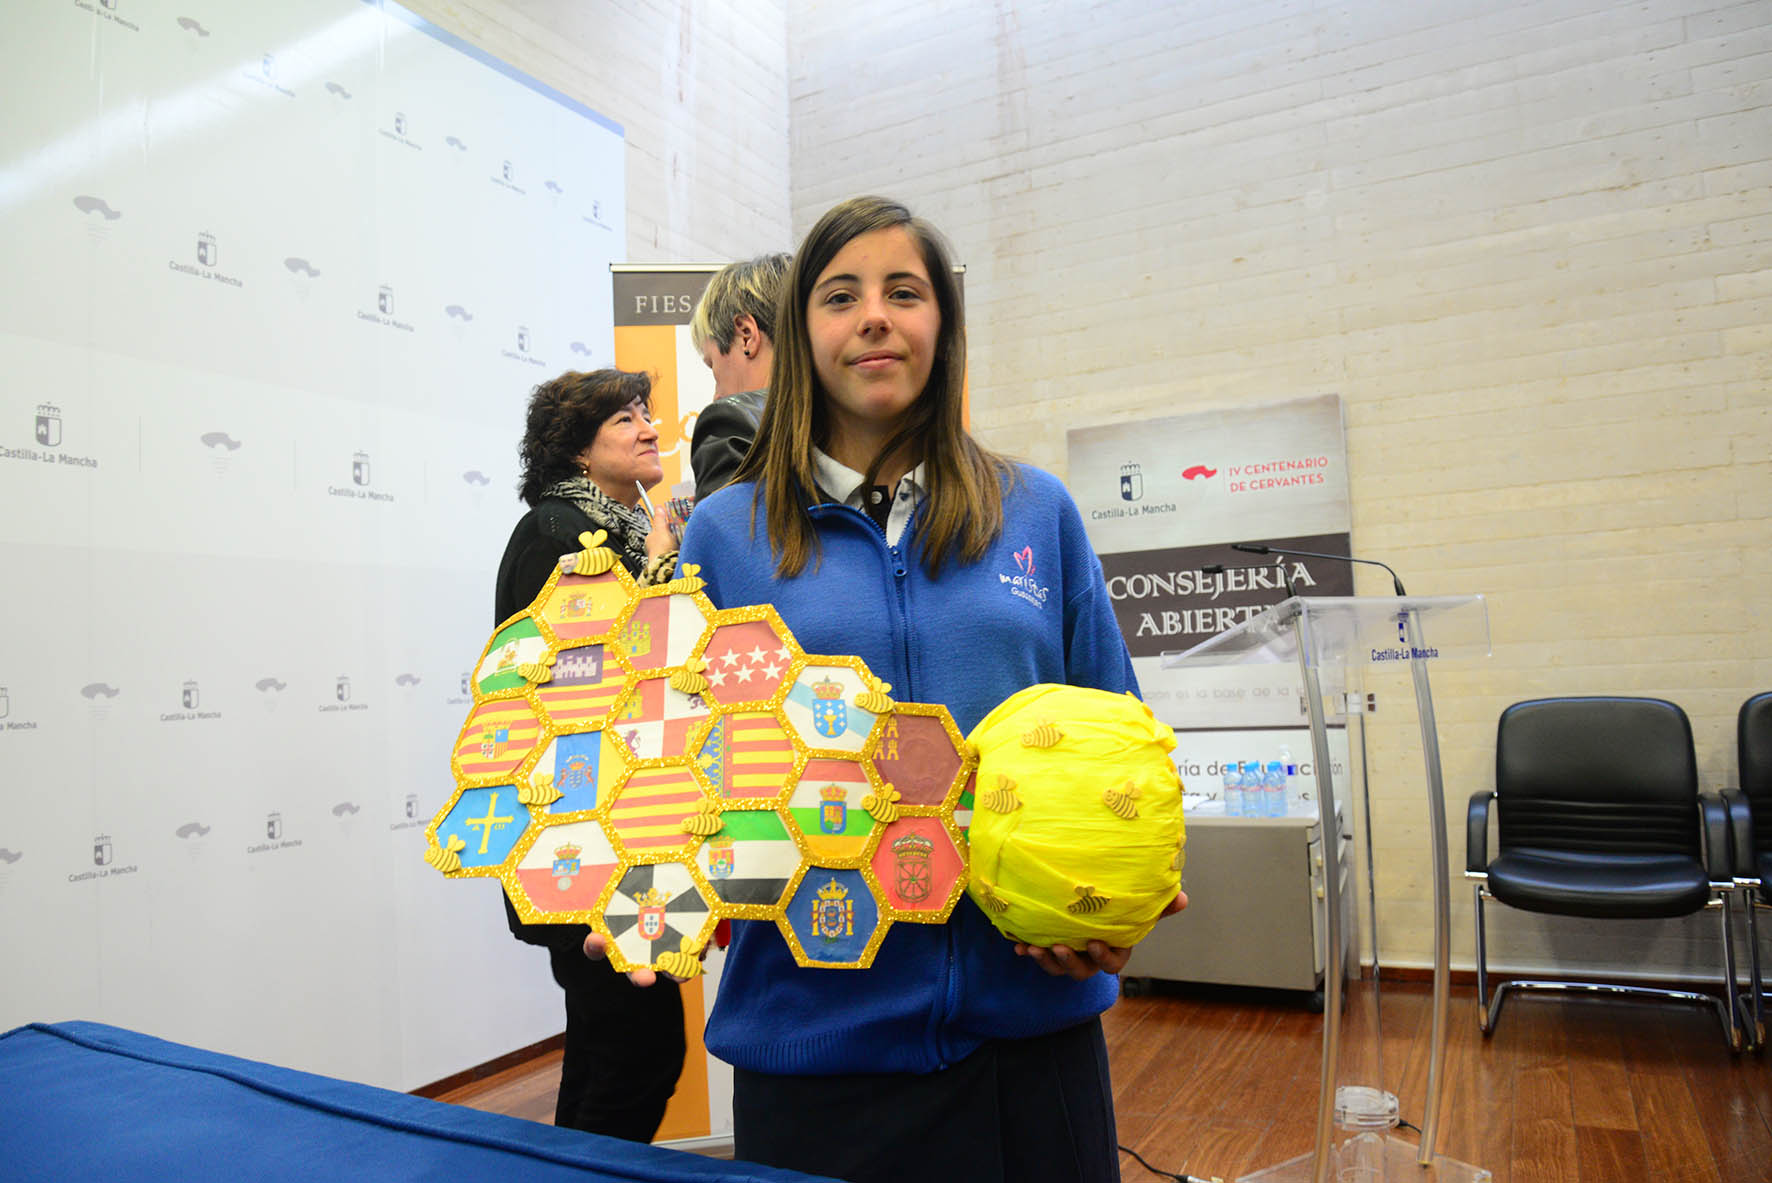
(1197,471)
(1024,558)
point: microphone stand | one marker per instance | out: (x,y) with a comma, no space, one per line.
(1220,569)
(1256,548)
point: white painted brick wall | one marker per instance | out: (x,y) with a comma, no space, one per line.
(1530,244)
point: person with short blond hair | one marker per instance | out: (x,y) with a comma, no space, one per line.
(734,331)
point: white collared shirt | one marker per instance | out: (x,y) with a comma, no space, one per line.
(848,487)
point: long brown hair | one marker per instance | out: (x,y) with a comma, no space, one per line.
(964,513)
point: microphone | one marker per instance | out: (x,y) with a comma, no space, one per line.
(1256,548)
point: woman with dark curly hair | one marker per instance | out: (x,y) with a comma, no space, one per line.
(588,449)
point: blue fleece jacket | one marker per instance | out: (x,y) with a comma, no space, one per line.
(1033,609)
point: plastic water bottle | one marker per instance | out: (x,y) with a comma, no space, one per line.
(1233,789)
(1273,790)
(1291,770)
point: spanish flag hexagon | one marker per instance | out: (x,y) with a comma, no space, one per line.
(582,607)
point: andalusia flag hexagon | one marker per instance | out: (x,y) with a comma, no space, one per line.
(1077,830)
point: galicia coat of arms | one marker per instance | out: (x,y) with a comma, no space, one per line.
(830,716)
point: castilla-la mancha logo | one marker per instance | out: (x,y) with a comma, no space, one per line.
(1131,482)
(48,428)
(1023,585)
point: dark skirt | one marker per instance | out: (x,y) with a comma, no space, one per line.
(624,1048)
(1014,1111)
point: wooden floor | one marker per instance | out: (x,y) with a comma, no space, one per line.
(1221,1083)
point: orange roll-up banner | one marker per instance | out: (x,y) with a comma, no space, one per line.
(652,307)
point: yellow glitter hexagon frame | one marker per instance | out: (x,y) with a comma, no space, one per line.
(641,762)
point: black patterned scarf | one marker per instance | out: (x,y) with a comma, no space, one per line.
(627,528)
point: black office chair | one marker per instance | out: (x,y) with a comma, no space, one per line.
(1598,814)
(1750,824)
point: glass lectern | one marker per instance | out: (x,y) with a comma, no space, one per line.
(1333,640)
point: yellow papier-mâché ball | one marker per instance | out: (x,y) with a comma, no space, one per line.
(1077,833)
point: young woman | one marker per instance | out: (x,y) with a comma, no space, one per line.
(588,446)
(877,526)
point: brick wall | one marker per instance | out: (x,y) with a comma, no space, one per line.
(1528,243)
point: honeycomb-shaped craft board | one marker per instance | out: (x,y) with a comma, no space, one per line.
(643,763)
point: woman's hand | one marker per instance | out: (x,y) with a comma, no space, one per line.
(597,949)
(1099,957)
(660,540)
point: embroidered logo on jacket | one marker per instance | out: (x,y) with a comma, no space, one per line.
(1024,585)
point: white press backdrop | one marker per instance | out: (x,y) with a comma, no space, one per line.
(274,284)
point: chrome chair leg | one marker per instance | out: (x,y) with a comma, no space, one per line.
(1487,1010)
(1732,1026)
(1757,1007)
(1730,1012)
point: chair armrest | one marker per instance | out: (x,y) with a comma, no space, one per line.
(1739,811)
(1476,831)
(1719,853)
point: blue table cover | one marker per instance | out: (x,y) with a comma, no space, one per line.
(86,1101)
